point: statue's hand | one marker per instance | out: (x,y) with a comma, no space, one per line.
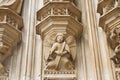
(57,52)
(64,52)
(60,54)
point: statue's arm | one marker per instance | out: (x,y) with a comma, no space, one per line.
(53,48)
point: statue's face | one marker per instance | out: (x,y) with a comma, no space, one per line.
(60,39)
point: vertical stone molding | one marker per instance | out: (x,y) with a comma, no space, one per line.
(11,24)
(110,22)
(60,28)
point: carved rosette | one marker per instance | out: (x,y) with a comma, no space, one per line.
(59,16)
(10,32)
(110,22)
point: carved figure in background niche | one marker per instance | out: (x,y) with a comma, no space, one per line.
(115,36)
(110,4)
(60,57)
(116,58)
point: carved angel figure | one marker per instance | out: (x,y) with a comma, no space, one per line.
(115,35)
(60,57)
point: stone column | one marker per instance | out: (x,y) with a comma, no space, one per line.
(94,65)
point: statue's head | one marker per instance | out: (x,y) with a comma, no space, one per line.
(60,37)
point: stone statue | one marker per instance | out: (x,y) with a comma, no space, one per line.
(60,57)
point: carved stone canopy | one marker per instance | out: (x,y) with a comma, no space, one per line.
(55,24)
(57,9)
(109,22)
(56,17)
(10,17)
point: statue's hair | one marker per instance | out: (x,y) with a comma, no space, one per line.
(59,34)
